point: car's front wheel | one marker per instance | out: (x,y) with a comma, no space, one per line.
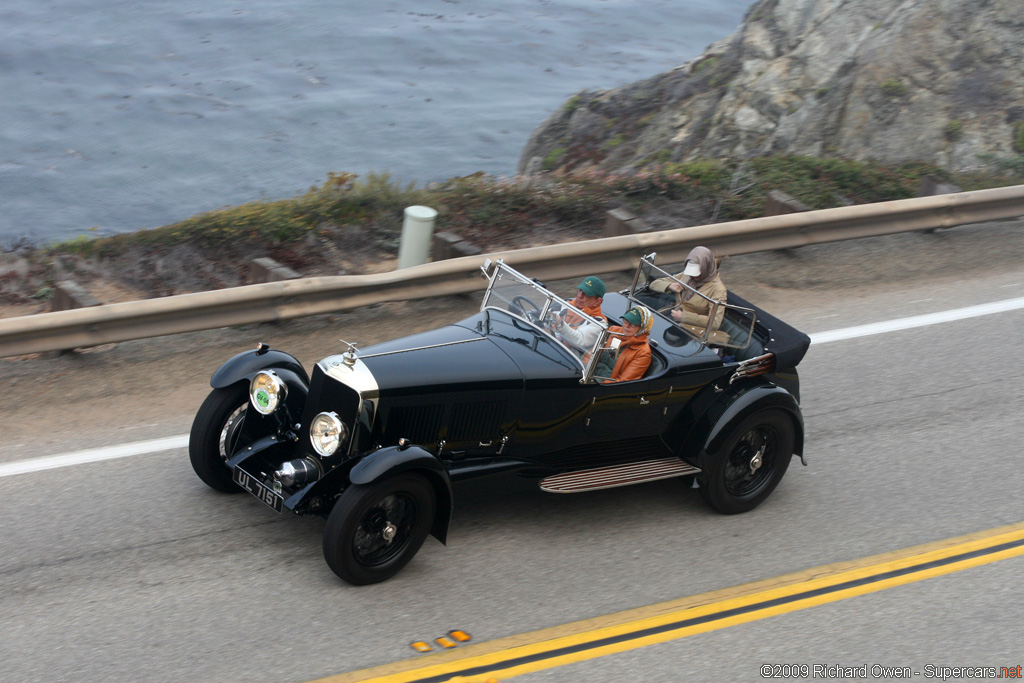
(750,463)
(214,433)
(374,530)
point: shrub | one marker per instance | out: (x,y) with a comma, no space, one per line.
(893,88)
(1018,137)
(554,158)
(953,131)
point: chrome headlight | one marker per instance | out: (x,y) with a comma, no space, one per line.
(327,433)
(266,391)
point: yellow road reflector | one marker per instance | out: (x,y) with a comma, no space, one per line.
(421,646)
(460,636)
(444,641)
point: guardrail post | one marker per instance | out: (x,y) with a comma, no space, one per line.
(268,270)
(416,232)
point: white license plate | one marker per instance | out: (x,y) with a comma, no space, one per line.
(258,489)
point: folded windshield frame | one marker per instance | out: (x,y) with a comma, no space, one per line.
(735,326)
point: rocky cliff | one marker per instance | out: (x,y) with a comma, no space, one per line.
(940,81)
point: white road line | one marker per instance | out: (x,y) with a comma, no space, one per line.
(93,455)
(917,321)
(181,441)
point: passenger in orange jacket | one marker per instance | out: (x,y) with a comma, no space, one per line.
(633,355)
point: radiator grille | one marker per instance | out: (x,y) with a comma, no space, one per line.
(327,394)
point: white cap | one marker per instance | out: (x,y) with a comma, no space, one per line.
(692,269)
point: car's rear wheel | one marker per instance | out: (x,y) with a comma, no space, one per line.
(750,463)
(214,434)
(374,530)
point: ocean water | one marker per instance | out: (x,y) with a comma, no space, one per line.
(117,116)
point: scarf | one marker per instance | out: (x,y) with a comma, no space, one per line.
(708,270)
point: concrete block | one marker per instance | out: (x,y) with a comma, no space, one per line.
(444,245)
(68,294)
(465,248)
(929,186)
(449,245)
(781,203)
(268,270)
(623,222)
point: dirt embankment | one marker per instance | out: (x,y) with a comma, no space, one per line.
(27,275)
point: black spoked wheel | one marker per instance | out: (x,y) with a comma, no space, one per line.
(214,434)
(750,464)
(374,530)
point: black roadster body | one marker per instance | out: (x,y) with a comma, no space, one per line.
(373,438)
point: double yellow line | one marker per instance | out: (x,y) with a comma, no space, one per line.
(582,640)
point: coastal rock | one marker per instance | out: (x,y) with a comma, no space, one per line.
(940,81)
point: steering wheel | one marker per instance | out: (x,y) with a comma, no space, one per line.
(533,313)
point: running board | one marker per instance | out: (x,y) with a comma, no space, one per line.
(617,475)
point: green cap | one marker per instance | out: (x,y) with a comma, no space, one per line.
(633,316)
(641,317)
(592,286)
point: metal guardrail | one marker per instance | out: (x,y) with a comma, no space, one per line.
(312,296)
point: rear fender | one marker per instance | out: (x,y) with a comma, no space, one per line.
(728,409)
(393,460)
(753,400)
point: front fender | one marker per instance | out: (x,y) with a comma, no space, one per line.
(245,365)
(396,459)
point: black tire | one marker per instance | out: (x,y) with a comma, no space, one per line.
(730,483)
(355,539)
(214,432)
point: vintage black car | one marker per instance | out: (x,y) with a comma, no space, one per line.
(374,438)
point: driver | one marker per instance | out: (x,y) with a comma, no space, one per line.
(575,328)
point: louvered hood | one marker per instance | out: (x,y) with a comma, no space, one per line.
(451,358)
